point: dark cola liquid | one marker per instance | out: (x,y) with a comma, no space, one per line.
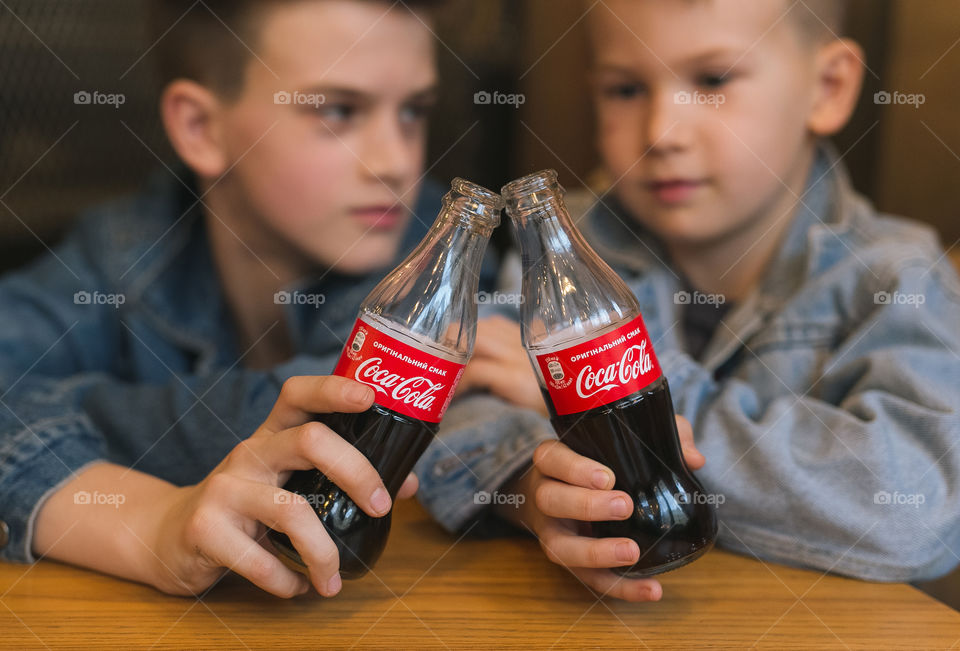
(393,443)
(636,437)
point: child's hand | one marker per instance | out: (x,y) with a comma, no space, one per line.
(219,523)
(571,490)
(500,365)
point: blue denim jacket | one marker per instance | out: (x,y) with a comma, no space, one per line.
(117,345)
(826,402)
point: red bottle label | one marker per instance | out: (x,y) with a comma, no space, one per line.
(600,371)
(405,379)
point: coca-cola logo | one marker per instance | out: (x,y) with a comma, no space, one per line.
(417,391)
(634,364)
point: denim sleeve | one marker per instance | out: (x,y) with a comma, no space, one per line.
(51,429)
(483,442)
(859,475)
(46,332)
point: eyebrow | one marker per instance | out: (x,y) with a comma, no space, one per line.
(700,58)
(343,92)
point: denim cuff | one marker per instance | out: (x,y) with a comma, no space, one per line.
(483,443)
(37,461)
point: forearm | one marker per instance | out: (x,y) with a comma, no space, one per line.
(105,519)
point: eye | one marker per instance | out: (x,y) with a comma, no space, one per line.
(713,80)
(416,112)
(623,92)
(335,113)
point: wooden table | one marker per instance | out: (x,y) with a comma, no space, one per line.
(431,591)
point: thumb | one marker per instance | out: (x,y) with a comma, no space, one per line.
(691,455)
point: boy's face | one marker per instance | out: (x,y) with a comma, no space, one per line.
(330,178)
(702,108)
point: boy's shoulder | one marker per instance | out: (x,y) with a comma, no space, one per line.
(124,238)
(881,247)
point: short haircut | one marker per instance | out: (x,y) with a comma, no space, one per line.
(211,42)
(819,20)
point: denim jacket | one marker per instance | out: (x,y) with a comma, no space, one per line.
(826,402)
(118,345)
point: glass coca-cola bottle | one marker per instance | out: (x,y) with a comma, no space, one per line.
(411,341)
(601,381)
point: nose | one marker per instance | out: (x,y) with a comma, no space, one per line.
(389,155)
(667,123)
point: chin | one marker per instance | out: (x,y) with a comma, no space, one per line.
(682,226)
(361,259)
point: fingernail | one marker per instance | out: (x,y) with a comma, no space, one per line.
(619,507)
(359,393)
(380,501)
(626,551)
(601,478)
(334,585)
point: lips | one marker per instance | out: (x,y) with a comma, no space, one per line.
(380,217)
(674,190)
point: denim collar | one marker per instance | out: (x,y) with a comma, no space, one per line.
(160,257)
(826,212)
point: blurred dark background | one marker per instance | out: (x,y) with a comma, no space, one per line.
(59,157)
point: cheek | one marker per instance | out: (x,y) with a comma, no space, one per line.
(295,184)
(619,136)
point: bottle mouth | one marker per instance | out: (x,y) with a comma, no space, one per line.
(475,203)
(528,192)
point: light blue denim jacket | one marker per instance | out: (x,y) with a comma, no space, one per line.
(826,403)
(117,345)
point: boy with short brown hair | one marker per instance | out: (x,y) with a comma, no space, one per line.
(811,342)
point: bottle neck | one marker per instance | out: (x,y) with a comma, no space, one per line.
(545,230)
(570,293)
(431,296)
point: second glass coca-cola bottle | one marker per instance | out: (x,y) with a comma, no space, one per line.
(412,338)
(596,366)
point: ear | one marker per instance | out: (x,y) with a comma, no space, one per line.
(839,78)
(192,116)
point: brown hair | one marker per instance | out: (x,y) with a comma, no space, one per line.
(210,42)
(820,20)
